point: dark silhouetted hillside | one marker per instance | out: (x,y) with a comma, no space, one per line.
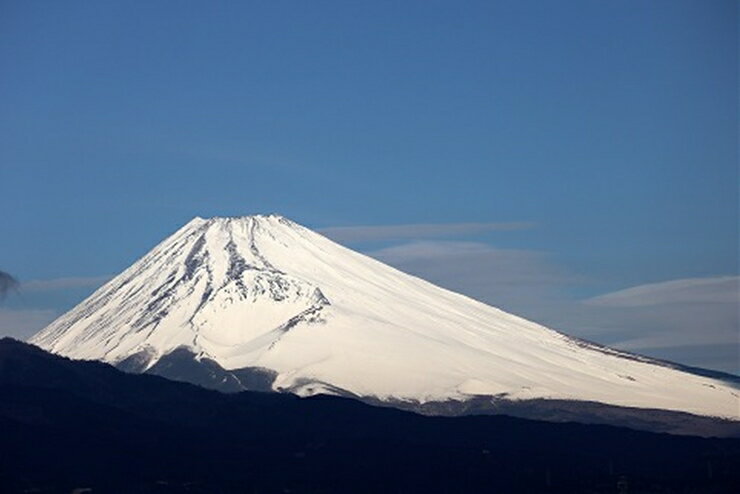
(68,424)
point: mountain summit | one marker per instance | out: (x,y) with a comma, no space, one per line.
(263,299)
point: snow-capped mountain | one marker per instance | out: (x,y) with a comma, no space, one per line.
(264,294)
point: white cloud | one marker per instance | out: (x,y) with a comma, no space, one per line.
(350,234)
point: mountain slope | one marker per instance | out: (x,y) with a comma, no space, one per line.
(261,294)
(72,424)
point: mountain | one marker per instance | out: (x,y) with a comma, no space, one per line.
(260,302)
(67,425)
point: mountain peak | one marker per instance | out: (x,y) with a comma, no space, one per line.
(241,218)
(258,218)
(247,223)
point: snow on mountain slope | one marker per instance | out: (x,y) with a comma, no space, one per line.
(262,291)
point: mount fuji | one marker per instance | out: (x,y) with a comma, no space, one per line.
(260,302)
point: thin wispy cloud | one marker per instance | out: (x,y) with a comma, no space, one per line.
(415,231)
(674,316)
(512,279)
(507,266)
(722,289)
(63,283)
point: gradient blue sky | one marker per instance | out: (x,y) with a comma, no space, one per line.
(611,127)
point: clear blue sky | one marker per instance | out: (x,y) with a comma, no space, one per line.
(612,126)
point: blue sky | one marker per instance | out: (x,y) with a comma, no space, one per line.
(609,128)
